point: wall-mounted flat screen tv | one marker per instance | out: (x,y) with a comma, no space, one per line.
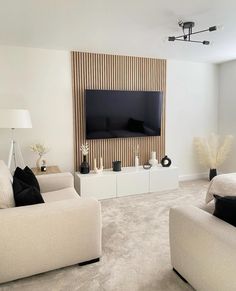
(119,114)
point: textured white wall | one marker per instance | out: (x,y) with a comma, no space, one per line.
(191,110)
(227,109)
(40,81)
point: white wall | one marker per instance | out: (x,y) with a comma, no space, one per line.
(227,109)
(191,110)
(40,81)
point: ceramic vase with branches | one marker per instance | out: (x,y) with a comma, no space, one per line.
(41,150)
(84,167)
(213,151)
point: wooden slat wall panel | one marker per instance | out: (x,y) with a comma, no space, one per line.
(112,72)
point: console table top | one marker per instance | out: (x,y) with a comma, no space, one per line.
(50,170)
(124,170)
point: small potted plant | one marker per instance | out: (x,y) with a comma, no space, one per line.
(84,167)
(41,150)
(213,151)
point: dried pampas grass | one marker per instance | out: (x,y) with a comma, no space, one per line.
(212,152)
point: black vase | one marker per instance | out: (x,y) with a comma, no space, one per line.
(84,167)
(212,174)
(165,162)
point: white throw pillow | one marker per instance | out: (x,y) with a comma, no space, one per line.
(6,193)
(222,185)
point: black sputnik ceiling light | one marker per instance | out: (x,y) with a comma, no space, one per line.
(187,28)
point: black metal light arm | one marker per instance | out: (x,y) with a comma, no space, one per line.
(187,37)
(212,28)
(205,42)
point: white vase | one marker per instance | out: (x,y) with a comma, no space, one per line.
(38,162)
(136,161)
(153,161)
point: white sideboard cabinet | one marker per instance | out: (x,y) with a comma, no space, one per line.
(129,181)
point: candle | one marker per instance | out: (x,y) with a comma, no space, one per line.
(101,162)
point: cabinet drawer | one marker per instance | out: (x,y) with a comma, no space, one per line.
(100,187)
(132,183)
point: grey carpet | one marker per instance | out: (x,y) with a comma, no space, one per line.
(135,248)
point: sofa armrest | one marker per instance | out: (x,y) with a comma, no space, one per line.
(43,237)
(54,182)
(203,249)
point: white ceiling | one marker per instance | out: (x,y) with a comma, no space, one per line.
(131,27)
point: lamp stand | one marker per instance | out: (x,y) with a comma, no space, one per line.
(15,153)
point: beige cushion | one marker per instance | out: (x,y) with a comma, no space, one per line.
(6,191)
(222,185)
(63,194)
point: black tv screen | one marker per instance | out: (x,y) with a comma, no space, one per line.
(119,114)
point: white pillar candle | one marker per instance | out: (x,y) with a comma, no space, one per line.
(101,162)
(153,155)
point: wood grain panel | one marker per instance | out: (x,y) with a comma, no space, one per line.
(112,72)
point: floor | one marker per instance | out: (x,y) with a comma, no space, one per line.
(135,247)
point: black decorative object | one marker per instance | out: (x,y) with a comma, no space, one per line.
(84,167)
(116,165)
(212,174)
(43,166)
(147,166)
(165,162)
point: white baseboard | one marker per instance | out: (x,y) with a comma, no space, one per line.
(193,176)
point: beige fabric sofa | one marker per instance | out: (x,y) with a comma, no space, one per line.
(65,230)
(203,249)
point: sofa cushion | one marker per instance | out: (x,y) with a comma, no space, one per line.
(222,185)
(225,208)
(63,194)
(6,191)
(27,176)
(25,194)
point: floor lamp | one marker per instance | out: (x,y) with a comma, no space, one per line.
(13,119)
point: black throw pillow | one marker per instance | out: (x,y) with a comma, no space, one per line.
(27,176)
(135,125)
(225,208)
(25,194)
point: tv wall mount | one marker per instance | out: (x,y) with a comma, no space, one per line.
(187,28)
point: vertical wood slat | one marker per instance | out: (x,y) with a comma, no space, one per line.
(112,72)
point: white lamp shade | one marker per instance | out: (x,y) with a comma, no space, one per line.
(15,118)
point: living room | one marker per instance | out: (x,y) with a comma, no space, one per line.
(51,54)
